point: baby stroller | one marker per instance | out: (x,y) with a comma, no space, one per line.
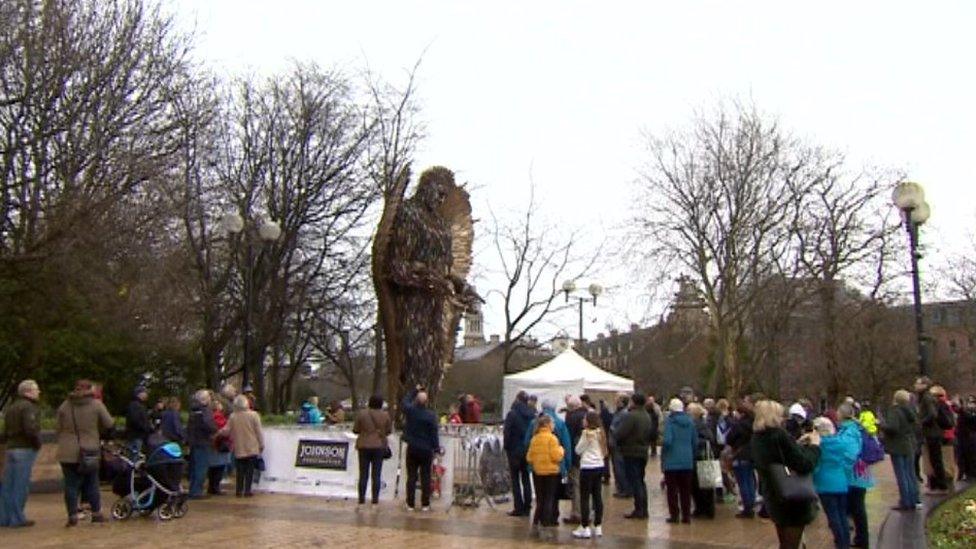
(151,484)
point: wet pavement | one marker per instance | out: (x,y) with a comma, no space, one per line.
(302,521)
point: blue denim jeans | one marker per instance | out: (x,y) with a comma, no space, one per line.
(835,507)
(745,476)
(199,464)
(619,476)
(16,485)
(76,484)
(904,468)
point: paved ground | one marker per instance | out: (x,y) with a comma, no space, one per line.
(298,521)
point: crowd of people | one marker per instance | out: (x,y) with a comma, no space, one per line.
(222,431)
(781,463)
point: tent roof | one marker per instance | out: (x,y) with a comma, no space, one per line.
(570,366)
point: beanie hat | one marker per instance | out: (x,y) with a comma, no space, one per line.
(676,405)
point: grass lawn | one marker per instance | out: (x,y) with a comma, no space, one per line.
(954,523)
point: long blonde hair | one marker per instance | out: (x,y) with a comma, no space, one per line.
(769,415)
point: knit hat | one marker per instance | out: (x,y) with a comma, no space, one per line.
(676,405)
(798,410)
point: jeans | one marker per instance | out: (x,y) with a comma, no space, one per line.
(619,475)
(418,461)
(199,463)
(574,490)
(904,468)
(745,476)
(370,464)
(547,499)
(245,475)
(16,485)
(634,468)
(76,484)
(591,489)
(521,484)
(678,485)
(855,505)
(835,507)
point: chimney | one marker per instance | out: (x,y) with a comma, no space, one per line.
(614,333)
(634,327)
(599,335)
(495,339)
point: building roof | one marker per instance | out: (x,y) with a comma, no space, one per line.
(474,353)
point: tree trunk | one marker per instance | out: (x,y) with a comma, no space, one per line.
(378,360)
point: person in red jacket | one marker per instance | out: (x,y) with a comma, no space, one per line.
(472,409)
(220,457)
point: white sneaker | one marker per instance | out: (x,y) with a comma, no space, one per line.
(410,509)
(582,533)
(425,509)
(598,531)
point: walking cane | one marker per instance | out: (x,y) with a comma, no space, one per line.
(396,487)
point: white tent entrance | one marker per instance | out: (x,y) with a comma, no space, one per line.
(566,374)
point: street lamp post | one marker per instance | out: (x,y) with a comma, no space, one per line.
(910,199)
(265,230)
(594,290)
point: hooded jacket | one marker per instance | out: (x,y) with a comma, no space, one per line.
(81,409)
(22,424)
(680,443)
(838,453)
(516,425)
(561,432)
(311,414)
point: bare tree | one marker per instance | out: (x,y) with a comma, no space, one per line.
(535,263)
(843,235)
(86,92)
(718,200)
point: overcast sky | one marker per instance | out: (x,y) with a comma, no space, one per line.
(561,91)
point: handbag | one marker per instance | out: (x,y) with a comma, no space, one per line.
(88,460)
(791,487)
(709,470)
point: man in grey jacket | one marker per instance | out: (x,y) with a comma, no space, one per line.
(623,489)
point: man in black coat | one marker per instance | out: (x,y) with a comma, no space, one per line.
(137,424)
(516,424)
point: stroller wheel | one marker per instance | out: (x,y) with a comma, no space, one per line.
(164,512)
(122,509)
(180,507)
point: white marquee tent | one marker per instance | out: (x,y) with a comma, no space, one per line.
(567,373)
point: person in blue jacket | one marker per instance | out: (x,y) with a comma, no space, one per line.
(859,477)
(678,460)
(838,453)
(310,413)
(421,435)
(561,431)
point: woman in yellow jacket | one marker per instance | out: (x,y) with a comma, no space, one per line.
(544,456)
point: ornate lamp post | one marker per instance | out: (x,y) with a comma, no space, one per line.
(594,290)
(259,231)
(910,199)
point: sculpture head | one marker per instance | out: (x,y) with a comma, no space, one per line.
(433,187)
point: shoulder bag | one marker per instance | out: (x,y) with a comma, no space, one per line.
(709,470)
(789,485)
(88,460)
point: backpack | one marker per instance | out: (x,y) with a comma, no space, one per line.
(944,417)
(871,449)
(304,416)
